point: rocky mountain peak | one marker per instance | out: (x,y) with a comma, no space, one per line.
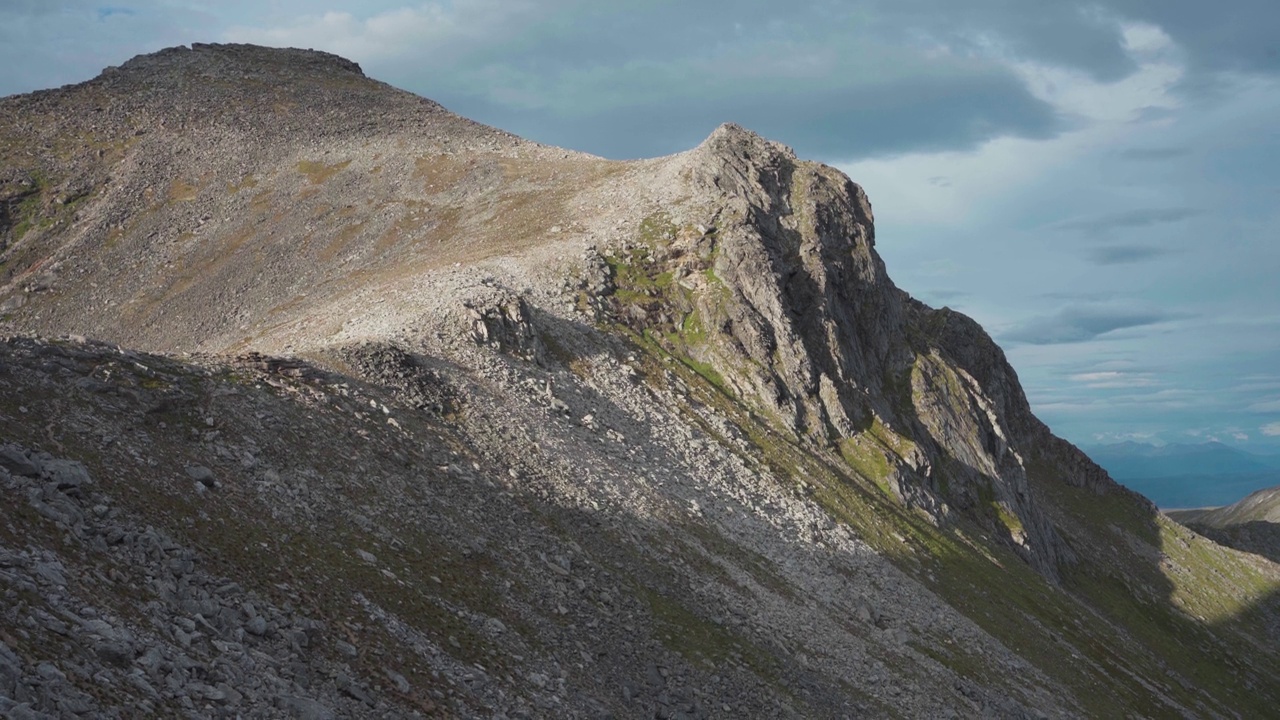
(239,61)
(533,433)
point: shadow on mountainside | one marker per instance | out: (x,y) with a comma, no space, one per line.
(404,540)
(677,607)
(1204,617)
(1155,617)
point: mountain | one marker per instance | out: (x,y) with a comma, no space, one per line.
(1132,460)
(321,401)
(1251,524)
(1187,476)
(1260,506)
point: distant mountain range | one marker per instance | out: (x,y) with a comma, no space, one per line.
(1187,476)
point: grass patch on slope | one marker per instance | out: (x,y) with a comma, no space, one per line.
(317,172)
(1114,653)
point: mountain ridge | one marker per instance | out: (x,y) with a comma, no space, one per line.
(691,375)
(1187,475)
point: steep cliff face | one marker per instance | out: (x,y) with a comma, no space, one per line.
(779,291)
(475,426)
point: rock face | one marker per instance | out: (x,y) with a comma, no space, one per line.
(402,415)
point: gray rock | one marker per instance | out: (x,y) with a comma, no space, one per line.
(67,474)
(50,672)
(353,689)
(10,671)
(26,712)
(51,572)
(256,626)
(303,708)
(202,475)
(101,628)
(74,702)
(399,681)
(16,462)
(115,652)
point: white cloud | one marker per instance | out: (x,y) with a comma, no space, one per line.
(1267,406)
(976,178)
(1271,429)
(1115,437)
(1112,379)
(426,31)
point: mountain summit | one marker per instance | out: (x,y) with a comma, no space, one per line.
(421,417)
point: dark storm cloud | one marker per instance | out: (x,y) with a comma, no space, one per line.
(914,114)
(1078,324)
(1144,217)
(841,81)
(884,77)
(1234,36)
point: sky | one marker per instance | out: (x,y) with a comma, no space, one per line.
(1096,183)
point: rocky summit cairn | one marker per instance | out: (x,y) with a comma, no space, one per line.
(318,400)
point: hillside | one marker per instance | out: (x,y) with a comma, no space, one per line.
(1251,524)
(323,401)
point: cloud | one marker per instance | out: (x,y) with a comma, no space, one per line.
(1213,39)
(1154,153)
(946,295)
(49,43)
(1266,406)
(107,11)
(1079,295)
(1078,324)
(1271,429)
(648,80)
(1121,254)
(1127,219)
(1118,437)
(1113,379)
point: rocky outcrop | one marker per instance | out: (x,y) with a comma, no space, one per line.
(808,319)
(780,293)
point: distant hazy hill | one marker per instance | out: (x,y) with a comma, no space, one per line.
(1139,460)
(1260,506)
(1187,476)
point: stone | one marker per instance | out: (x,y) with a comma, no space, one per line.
(16,462)
(49,672)
(399,682)
(353,689)
(256,626)
(202,475)
(51,572)
(10,671)
(115,652)
(302,708)
(67,474)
